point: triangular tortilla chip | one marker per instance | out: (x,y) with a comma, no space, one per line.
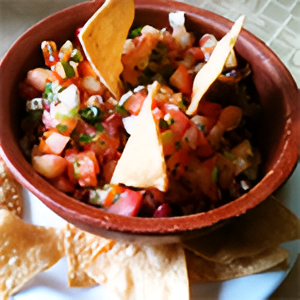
(103,38)
(265,226)
(10,191)
(80,247)
(25,251)
(142,272)
(214,67)
(202,270)
(142,162)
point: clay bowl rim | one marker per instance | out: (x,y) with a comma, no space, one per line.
(85,215)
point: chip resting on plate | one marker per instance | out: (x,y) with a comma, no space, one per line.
(80,247)
(25,251)
(203,270)
(142,163)
(103,38)
(142,272)
(264,227)
(10,191)
(214,67)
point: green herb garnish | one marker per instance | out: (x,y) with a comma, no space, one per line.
(90,114)
(135,32)
(85,138)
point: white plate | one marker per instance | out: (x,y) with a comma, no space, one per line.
(53,283)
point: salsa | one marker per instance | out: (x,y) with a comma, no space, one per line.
(75,130)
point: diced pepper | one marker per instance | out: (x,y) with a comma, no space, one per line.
(182,80)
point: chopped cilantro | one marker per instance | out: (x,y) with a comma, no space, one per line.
(85,138)
(214,174)
(122,111)
(48,92)
(90,114)
(61,128)
(76,56)
(69,71)
(99,127)
(163,124)
(171,121)
(178,145)
(135,32)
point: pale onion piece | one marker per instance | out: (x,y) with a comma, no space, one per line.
(103,38)
(70,96)
(57,142)
(93,85)
(49,165)
(142,162)
(176,18)
(214,67)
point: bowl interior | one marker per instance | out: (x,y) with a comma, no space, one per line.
(276,137)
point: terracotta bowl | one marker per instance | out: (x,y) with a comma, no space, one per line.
(274,84)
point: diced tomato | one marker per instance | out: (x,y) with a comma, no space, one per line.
(104,146)
(209,109)
(113,124)
(196,52)
(83,167)
(128,204)
(204,149)
(134,60)
(135,102)
(157,113)
(205,124)
(177,162)
(179,121)
(192,137)
(64,184)
(108,170)
(182,80)
(168,142)
(85,69)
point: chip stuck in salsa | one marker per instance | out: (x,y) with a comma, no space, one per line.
(136,150)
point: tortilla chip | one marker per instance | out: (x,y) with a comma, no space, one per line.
(264,227)
(103,38)
(142,272)
(25,251)
(80,247)
(142,163)
(214,67)
(10,191)
(202,270)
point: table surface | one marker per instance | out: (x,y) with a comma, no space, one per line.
(276,22)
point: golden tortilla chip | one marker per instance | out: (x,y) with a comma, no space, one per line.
(80,247)
(142,163)
(142,272)
(25,251)
(10,191)
(202,270)
(103,38)
(214,67)
(264,227)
